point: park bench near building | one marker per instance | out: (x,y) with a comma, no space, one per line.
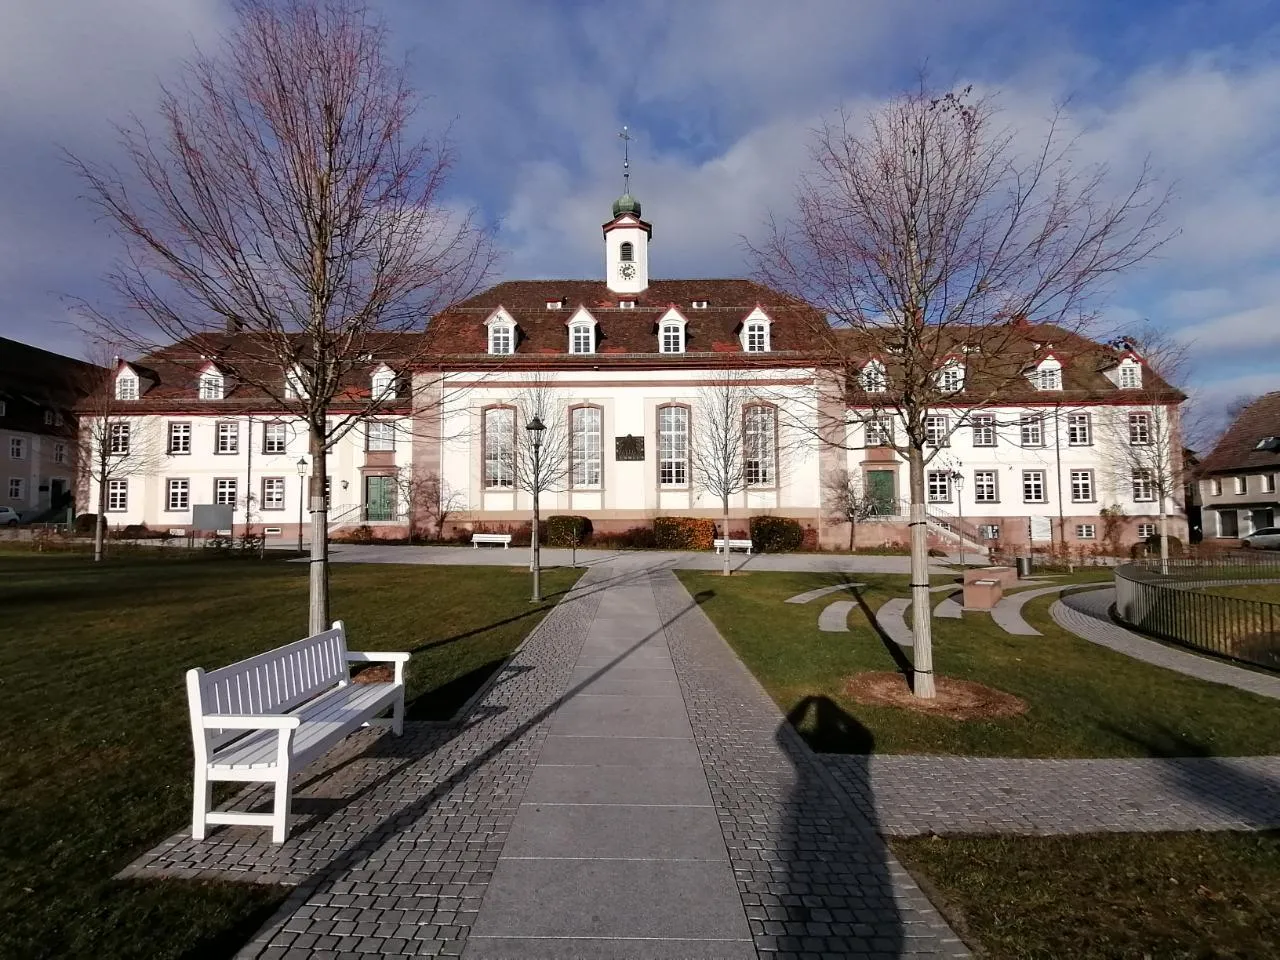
(495,538)
(733,544)
(264,718)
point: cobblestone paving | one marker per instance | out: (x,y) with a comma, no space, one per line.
(950,795)
(815,877)
(1086,615)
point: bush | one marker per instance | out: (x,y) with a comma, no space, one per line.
(684,533)
(85,524)
(633,538)
(564,530)
(361,534)
(1175,546)
(776,534)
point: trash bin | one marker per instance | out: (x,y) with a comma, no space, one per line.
(1023,565)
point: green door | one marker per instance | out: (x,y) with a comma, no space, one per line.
(881,493)
(379,498)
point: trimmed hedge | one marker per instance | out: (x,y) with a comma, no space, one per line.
(683,533)
(85,524)
(776,534)
(564,530)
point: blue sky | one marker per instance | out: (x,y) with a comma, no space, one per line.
(721,96)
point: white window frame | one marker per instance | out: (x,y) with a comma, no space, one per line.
(1129,376)
(502,339)
(1031,430)
(1146,530)
(127,387)
(941,436)
(950,377)
(1268,483)
(17,488)
(874,377)
(1029,484)
(498,455)
(586,451)
(294,385)
(1215,487)
(17,448)
(1079,430)
(1086,531)
(1143,485)
(986,486)
(275,438)
(227,438)
(673,446)
(273,493)
(1140,429)
(117,496)
(1239,486)
(760,449)
(984,430)
(382,385)
(989,531)
(177,494)
(226,491)
(582,337)
(938,486)
(1082,487)
(756,333)
(212,386)
(119,439)
(671,337)
(179,439)
(380,436)
(878,432)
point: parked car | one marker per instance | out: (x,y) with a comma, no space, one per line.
(1268,538)
(9,517)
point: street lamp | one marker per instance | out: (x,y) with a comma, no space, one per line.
(302,473)
(957,478)
(535,428)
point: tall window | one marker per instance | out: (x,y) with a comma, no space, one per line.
(224,492)
(1033,489)
(1139,429)
(626,252)
(938,486)
(273,493)
(117,496)
(1239,485)
(18,447)
(211,385)
(758,440)
(381,435)
(673,446)
(584,450)
(228,440)
(936,430)
(294,385)
(951,378)
(672,338)
(16,488)
(275,438)
(1143,488)
(873,377)
(383,384)
(126,387)
(1082,486)
(1049,378)
(1079,430)
(177,494)
(984,430)
(119,439)
(1130,376)
(501,338)
(984,486)
(179,439)
(59,453)
(499,448)
(580,339)
(1032,431)
(1268,482)
(880,432)
(757,339)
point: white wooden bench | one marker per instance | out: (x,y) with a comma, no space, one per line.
(264,718)
(733,545)
(502,538)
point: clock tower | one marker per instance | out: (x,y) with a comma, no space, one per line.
(626,236)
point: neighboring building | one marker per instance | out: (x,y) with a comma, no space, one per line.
(1238,478)
(625,361)
(39,391)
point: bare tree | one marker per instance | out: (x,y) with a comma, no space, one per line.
(932,242)
(539,459)
(849,502)
(430,497)
(281,220)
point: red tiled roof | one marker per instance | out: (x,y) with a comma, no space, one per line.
(1237,450)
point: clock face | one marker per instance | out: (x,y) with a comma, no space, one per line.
(627,271)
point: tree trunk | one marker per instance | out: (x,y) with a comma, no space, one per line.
(852,530)
(319,578)
(1164,537)
(99,528)
(727,569)
(921,624)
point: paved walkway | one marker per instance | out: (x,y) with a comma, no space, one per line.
(1087,615)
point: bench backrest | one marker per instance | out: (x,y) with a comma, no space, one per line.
(269,683)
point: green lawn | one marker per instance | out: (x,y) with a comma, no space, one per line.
(1084,700)
(1267,592)
(1167,896)
(97,764)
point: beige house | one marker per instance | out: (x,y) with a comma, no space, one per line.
(1239,478)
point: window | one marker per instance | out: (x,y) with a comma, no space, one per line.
(1086,531)
(1215,487)
(275,438)
(18,447)
(699,304)
(758,442)
(985,489)
(273,493)
(1139,429)
(984,430)
(179,439)
(757,337)
(1032,431)
(1081,486)
(584,446)
(1146,531)
(1049,378)
(873,377)
(1268,482)
(59,453)
(626,252)
(879,432)
(499,448)
(1228,523)
(380,435)
(228,437)
(126,387)
(1130,376)
(177,494)
(580,339)
(224,492)
(936,430)
(1079,430)
(555,304)
(626,304)
(989,531)
(1033,490)
(383,384)
(502,338)
(118,439)
(117,496)
(16,488)
(1143,489)
(211,385)
(951,378)
(673,446)
(1240,485)
(48,418)
(294,387)
(672,338)
(938,486)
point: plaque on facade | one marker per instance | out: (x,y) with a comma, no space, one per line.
(628,448)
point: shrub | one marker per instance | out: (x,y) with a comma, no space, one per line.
(85,524)
(1175,546)
(684,533)
(633,538)
(361,534)
(776,534)
(564,530)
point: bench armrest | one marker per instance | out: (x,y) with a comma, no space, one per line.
(371,656)
(249,721)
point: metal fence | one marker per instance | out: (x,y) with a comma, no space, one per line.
(1180,602)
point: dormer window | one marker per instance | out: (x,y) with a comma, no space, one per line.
(755,332)
(582,338)
(212,385)
(1047,375)
(627,252)
(951,377)
(699,304)
(626,304)
(672,338)
(383,383)
(501,338)
(554,305)
(873,377)
(294,388)
(1130,375)
(127,386)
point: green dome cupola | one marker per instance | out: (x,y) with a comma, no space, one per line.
(626,204)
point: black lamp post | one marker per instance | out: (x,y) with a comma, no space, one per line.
(957,479)
(535,428)
(302,473)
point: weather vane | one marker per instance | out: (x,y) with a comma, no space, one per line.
(626,160)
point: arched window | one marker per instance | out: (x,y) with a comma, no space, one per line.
(582,338)
(756,338)
(626,252)
(760,445)
(673,446)
(584,448)
(499,430)
(672,338)
(502,338)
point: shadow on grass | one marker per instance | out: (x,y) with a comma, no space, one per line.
(900,658)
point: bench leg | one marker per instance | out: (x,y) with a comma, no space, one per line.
(397,716)
(280,815)
(201,802)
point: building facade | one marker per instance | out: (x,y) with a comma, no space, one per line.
(1239,477)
